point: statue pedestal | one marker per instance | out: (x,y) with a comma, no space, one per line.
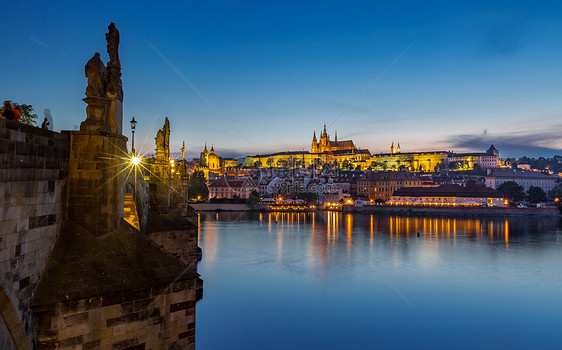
(95,114)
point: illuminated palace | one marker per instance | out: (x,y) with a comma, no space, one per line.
(433,161)
(322,151)
(349,157)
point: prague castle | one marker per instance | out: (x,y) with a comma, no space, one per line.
(325,145)
(323,151)
(347,156)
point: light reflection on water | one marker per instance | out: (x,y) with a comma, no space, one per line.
(332,280)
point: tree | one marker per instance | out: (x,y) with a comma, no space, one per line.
(197,189)
(26,112)
(512,190)
(253,199)
(27,115)
(556,192)
(198,174)
(536,194)
(196,186)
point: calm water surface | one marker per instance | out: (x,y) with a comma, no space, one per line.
(343,281)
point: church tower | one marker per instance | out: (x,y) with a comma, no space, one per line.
(314,148)
(324,141)
(398,148)
(392,148)
(204,156)
(336,137)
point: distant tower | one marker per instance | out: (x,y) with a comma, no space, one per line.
(314,148)
(324,141)
(398,148)
(392,148)
(213,160)
(336,137)
(493,151)
(203,157)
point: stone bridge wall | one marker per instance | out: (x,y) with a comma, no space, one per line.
(33,171)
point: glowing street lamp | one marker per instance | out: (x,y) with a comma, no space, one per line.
(133,126)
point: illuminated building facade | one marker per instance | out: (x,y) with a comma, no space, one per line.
(348,157)
(380,185)
(210,162)
(433,161)
(325,145)
(524,178)
(449,195)
(228,187)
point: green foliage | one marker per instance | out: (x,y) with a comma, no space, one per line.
(556,192)
(253,199)
(26,112)
(27,115)
(196,186)
(199,175)
(553,164)
(197,189)
(536,194)
(512,190)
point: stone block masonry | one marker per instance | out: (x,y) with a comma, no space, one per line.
(33,172)
(119,291)
(157,318)
(95,196)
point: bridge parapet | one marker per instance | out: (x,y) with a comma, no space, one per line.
(33,165)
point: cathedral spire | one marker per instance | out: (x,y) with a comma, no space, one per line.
(336,136)
(398,148)
(314,137)
(392,148)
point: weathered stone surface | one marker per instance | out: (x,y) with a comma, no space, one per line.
(84,266)
(73,275)
(31,208)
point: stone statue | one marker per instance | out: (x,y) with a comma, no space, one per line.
(163,142)
(112,37)
(114,84)
(160,140)
(96,73)
(166,130)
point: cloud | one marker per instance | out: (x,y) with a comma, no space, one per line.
(38,42)
(512,144)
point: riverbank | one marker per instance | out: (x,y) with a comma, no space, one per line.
(457,212)
(219,207)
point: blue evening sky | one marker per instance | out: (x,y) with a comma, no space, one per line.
(477,72)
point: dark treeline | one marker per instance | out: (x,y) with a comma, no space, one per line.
(553,164)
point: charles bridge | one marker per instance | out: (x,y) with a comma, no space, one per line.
(96,252)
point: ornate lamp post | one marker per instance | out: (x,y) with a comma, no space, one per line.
(133,126)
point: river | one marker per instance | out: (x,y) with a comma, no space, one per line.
(356,281)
